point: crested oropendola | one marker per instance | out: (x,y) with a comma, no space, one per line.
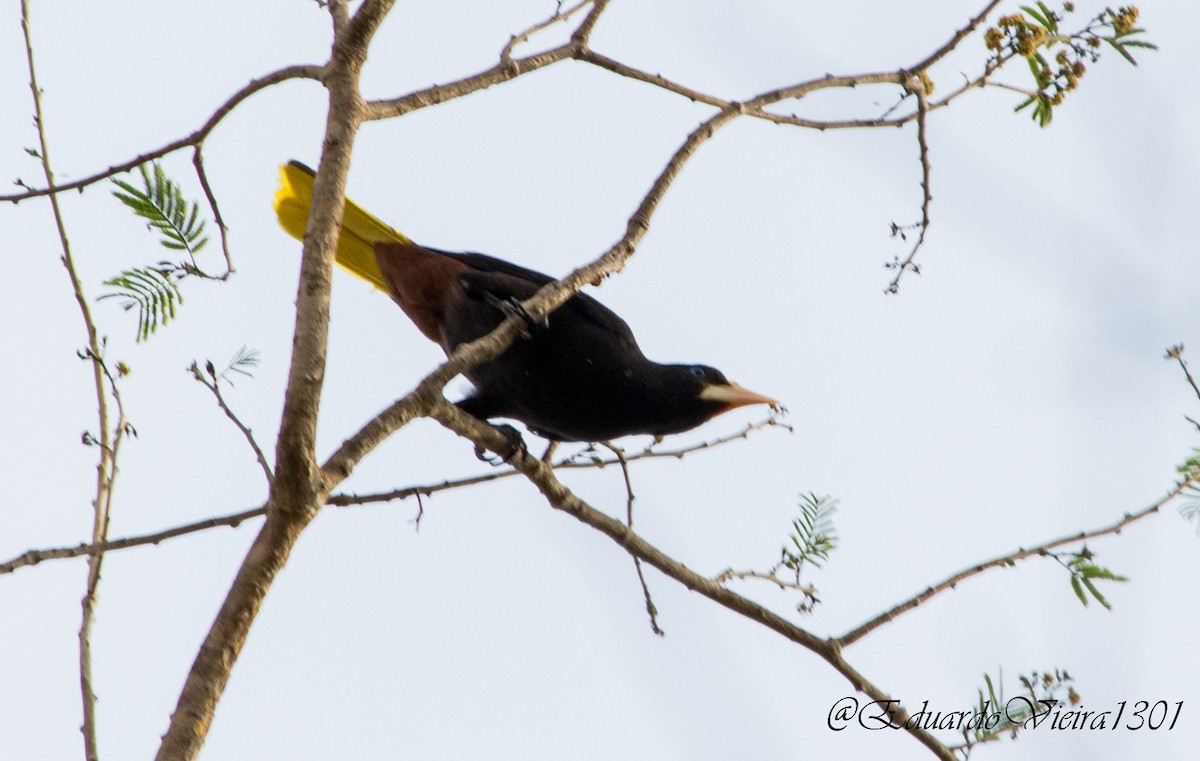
(579,377)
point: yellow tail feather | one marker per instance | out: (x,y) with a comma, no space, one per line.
(360,229)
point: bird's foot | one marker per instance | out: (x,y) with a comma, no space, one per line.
(513,444)
(512,306)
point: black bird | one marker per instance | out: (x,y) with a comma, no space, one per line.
(579,377)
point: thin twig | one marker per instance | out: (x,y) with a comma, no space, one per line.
(954,41)
(109,441)
(222,229)
(191,140)
(884,120)
(1010,559)
(1176,353)
(658,80)
(1013,88)
(505,70)
(214,387)
(561,498)
(559,16)
(651,609)
(431,96)
(772,576)
(580,459)
(34,557)
(295,448)
(917,87)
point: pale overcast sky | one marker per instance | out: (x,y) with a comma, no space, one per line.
(1012,393)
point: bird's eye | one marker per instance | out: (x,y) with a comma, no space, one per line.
(698,372)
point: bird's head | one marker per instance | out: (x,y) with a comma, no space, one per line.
(702,392)
(716,389)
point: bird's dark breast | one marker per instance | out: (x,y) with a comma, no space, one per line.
(570,380)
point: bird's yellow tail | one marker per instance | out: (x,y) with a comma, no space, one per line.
(360,229)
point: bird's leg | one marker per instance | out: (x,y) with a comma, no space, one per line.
(549,451)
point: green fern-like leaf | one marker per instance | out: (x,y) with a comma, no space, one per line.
(1083,575)
(242,361)
(161,203)
(813,535)
(153,291)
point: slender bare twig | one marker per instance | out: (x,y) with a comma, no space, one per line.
(954,41)
(582,460)
(578,461)
(214,387)
(772,576)
(1176,353)
(34,557)
(696,96)
(651,609)
(506,69)
(106,476)
(917,88)
(559,16)
(293,502)
(1013,88)
(658,80)
(884,120)
(222,229)
(187,141)
(501,72)
(1008,560)
(560,498)
(110,437)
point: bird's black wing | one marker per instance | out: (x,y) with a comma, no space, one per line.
(508,284)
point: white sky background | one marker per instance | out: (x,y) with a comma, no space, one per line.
(1013,393)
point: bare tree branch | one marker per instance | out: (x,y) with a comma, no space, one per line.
(110,436)
(1176,353)
(202,176)
(918,88)
(771,575)
(560,16)
(954,41)
(214,388)
(300,486)
(575,462)
(1010,559)
(34,557)
(501,72)
(651,609)
(508,68)
(188,141)
(561,498)
(298,489)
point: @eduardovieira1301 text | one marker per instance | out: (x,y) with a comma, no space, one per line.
(1020,711)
